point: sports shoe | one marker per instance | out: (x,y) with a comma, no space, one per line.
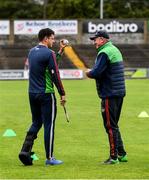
(123,158)
(25,158)
(111,161)
(53,161)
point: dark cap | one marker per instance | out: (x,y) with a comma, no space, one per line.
(103,34)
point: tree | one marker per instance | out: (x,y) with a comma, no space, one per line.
(72,9)
(16,9)
(126,9)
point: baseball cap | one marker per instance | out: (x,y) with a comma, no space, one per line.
(103,34)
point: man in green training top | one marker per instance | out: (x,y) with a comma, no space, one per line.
(43,75)
(108,72)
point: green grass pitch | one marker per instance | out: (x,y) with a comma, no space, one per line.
(82,144)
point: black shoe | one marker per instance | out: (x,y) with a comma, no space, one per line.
(25,158)
(111,161)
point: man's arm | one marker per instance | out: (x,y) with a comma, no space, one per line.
(99,67)
(53,68)
(59,55)
(61,51)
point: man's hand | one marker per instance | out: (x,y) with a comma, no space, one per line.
(87,72)
(63,44)
(63,100)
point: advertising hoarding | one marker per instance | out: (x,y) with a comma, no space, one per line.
(113,26)
(4,27)
(32,27)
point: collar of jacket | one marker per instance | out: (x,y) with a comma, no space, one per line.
(104,45)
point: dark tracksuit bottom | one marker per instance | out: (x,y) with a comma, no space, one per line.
(111,109)
(44,110)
